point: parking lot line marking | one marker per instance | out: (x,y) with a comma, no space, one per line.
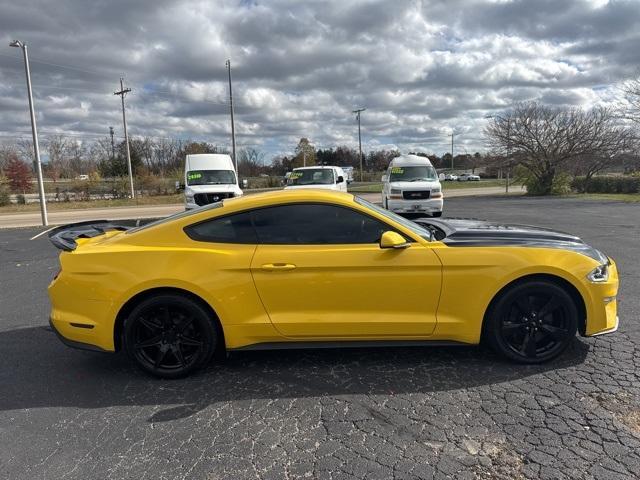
(42,233)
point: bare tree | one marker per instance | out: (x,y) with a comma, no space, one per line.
(629,104)
(544,139)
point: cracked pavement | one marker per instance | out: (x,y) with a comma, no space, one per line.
(454,412)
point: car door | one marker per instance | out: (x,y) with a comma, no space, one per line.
(321,274)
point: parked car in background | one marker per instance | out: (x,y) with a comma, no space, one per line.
(411,185)
(469,177)
(82,177)
(325,177)
(450,177)
(209,178)
(348,171)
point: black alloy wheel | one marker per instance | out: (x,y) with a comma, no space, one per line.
(169,336)
(533,322)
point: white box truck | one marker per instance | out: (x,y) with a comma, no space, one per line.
(209,178)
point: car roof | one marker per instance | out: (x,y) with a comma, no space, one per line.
(316,167)
(410,160)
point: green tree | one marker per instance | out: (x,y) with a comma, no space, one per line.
(305,154)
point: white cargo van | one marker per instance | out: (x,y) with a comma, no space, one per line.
(411,185)
(209,178)
(325,177)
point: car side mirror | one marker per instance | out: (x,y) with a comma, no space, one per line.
(385,178)
(340,179)
(393,240)
(180,186)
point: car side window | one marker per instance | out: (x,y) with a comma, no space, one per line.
(229,229)
(315,224)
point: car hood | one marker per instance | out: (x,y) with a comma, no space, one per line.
(328,186)
(213,188)
(470,233)
(415,185)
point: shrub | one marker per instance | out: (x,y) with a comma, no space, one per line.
(606,184)
(560,184)
(20,198)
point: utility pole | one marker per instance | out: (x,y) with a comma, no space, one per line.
(508,153)
(304,157)
(34,133)
(357,112)
(233,127)
(113,147)
(123,91)
(451,150)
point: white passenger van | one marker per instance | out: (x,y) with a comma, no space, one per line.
(320,176)
(411,185)
(209,178)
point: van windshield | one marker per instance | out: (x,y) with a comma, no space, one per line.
(417,173)
(311,176)
(211,177)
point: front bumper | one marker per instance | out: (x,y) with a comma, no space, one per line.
(431,205)
(602,305)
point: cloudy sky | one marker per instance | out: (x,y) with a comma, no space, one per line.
(421,68)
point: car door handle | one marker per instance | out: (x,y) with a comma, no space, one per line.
(280,267)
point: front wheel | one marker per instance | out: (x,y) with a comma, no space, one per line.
(385,203)
(533,322)
(169,336)
(437,214)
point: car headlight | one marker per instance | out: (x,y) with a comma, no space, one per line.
(435,190)
(189,198)
(599,274)
(395,191)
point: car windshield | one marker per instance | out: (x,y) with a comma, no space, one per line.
(414,227)
(311,176)
(211,177)
(414,173)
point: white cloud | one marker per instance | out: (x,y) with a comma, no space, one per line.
(299,68)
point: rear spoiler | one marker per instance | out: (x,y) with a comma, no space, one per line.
(64,237)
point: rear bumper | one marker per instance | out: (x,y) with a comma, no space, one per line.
(74,343)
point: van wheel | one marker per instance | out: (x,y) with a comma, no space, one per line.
(436,214)
(385,203)
(533,322)
(169,336)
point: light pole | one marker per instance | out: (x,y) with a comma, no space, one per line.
(358,112)
(233,125)
(34,132)
(452,133)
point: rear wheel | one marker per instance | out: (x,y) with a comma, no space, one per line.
(169,336)
(532,322)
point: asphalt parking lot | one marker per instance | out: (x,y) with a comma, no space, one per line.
(364,413)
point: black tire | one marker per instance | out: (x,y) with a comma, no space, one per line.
(533,322)
(436,214)
(169,336)
(385,203)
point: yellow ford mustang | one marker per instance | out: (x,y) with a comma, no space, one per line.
(305,268)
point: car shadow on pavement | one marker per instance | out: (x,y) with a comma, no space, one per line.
(37,371)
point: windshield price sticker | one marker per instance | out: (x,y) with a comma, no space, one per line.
(295,175)
(397,170)
(194,176)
